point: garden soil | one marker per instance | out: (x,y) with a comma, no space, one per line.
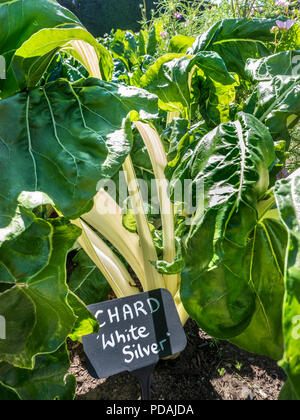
(206,370)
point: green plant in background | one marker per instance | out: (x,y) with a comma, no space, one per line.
(192,18)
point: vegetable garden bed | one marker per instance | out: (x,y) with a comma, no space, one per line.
(206,370)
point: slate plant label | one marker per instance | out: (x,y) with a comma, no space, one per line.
(135,332)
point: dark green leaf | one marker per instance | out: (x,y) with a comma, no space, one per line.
(236,40)
(277,104)
(45,382)
(37,313)
(170,78)
(287,193)
(231,163)
(282,64)
(287,393)
(85,133)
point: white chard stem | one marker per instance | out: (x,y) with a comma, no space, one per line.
(159,162)
(108,263)
(153,279)
(106,218)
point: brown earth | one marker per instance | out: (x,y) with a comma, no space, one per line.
(206,370)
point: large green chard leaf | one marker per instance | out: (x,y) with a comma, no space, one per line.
(46,382)
(236,40)
(38,317)
(65,67)
(277,104)
(215,100)
(218,290)
(266,274)
(22,18)
(34,56)
(32,33)
(61,139)
(287,193)
(170,78)
(284,64)
(39,310)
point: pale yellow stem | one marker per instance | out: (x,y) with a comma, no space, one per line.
(89,57)
(183,315)
(106,218)
(153,279)
(159,162)
(107,262)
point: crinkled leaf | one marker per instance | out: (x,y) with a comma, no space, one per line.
(45,318)
(125,46)
(287,193)
(183,142)
(283,64)
(85,137)
(65,67)
(154,38)
(215,100)
(231,163)
(277,104)
(236,40)
(170,78)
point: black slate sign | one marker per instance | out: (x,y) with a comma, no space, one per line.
(135,333)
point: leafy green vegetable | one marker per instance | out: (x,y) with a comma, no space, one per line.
(230,260)
(232,163)
(237,40)
(264,69)
(46,382)
(171,76)
(45,319)
(33,32)
(180,44)
(287,393)
(277,104)
(288,198)
(85,138)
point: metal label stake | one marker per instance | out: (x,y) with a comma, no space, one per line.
(144,376)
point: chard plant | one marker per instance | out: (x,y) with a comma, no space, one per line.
(230,260)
